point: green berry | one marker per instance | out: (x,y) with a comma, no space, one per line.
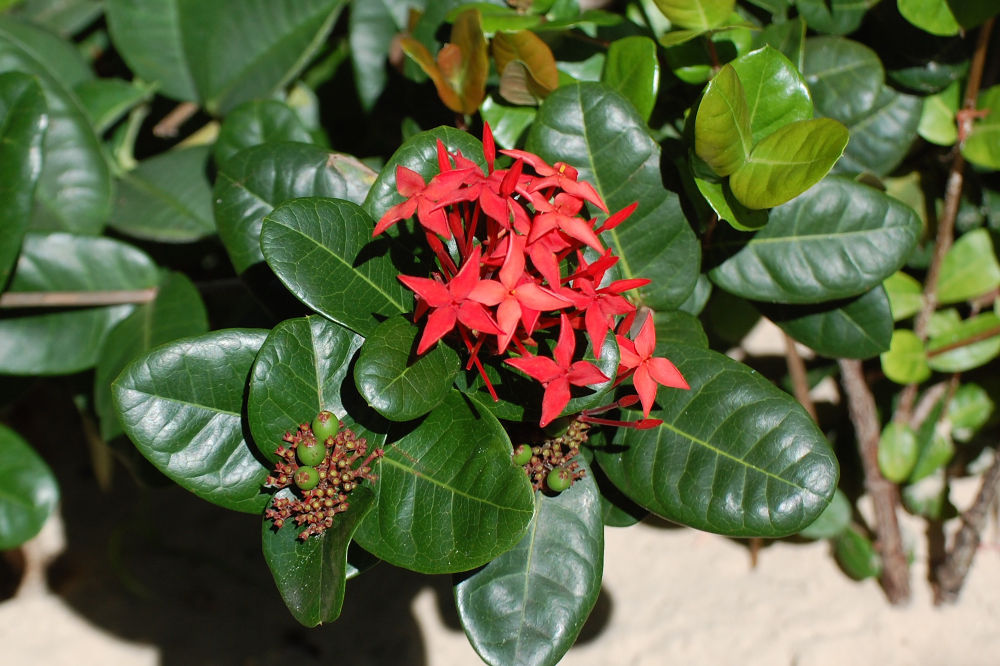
(311,453)
(306,477)
(559,479)
(325,425)
(522,455)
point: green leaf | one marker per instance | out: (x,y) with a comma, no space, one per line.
(74,188)
(788,37)
(29,490)
(735,454)
(933,16)
(837,240)
(372,27)
(928,497)
(311,575)
(698,14)
(776,93)
(906,295)
(937,116)
(969,268)
(255,180)
(322,250)
(68,340)
(508,123)
(107,100)
(906,361)
(176,312)
(182,404)
(936,451)
(970,344)
(457,457)
(835,519)
(788,162)
(219,53)
(982,146)
(882,136)
(720,199)
(396,382)
(837,17)
(167,198)
(300,370)
(856,554)
(256,122)
(528,605)
(844,77)
(858,328)
(678,328)
(722,125)
(67,17)
(969,410)
(23,120)
(598,132)
(633,70)
(897,451)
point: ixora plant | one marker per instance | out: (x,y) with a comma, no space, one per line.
(471,349)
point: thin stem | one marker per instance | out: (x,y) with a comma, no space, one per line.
(797,372)
(864,416)
(75,299)
(170,124)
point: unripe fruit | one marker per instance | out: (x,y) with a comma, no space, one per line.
(306,477)
(325,425)
(559,479)
(522,455)
(311,453)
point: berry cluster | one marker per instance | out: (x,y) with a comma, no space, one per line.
(321,461)
(550,464)
(510,250)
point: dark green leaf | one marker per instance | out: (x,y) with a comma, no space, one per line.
(256,122)
(528,605)
(776,93)
(373,25)
(311,575)
(28,490)
(856,554)
(322,250)
(219,53)
(23,120)
(722,131)
(167,198)
(676,327)
(176,312)
(845,77)
(858,328)
(396,382)
(68,340)
(598,132)
(67,17)
(735,454)
(882,136)
(836,17)
(633,70)
(182,404)
(107,100)
(788,37)
(458,457)
(837,240)
(300,371)
(835,519)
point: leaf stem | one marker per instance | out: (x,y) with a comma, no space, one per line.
(75,299)
(170,124)
(797,373)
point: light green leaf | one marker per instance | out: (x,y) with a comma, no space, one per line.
(856,554)
(633,70)
(906,295)
(508,123)
(969,269)
(835,519)
(906,361)
(776,93)
(982,146)
(720,198)
(937,116)
(697,14)
(969,410)
(933,16)
(897,451)
(722,125)
(107,100)
(970,344)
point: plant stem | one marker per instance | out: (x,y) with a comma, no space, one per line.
(864,416)
(170,124)
(950,575)
(75,299)
(971,340)
(797,373)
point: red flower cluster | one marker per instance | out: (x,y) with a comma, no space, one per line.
(510,251)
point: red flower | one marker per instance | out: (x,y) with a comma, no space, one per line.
(648,372)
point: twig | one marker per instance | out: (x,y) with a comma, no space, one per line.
(797,373)
(971,340)
(864,416)
(170,124)
(950,575)
(75,299)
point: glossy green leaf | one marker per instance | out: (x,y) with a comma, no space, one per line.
(301,370)
(735,454)
(835,17)
(396,382)
(107,100)
(676,327)
(74,188)
(598,132)
(937,116)
(722,134)
(311,575)
(508,123)
(167,198)
(906,295)
(933,16)
(970,344)
(969,269)
(835,519)
(845,77)
(906,360)
(176,312)
(882,136)
(837,240)
(856,554)
(528,605)
(858,328)
(897,451)
(204,52)
(257,179)
(968,410)
(181,405)
(256,122)
(23,121)
(457,457)
(373,26)
(982,146)
(776,93)
(34,342)
(633,70)
(788,162)
(719,197)
(698,14)
(30,491)
(322,251)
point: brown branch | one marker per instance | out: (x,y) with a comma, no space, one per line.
(864,416)
(170,124)
(971,340)
(75,299)
(797,373)
(950,575)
